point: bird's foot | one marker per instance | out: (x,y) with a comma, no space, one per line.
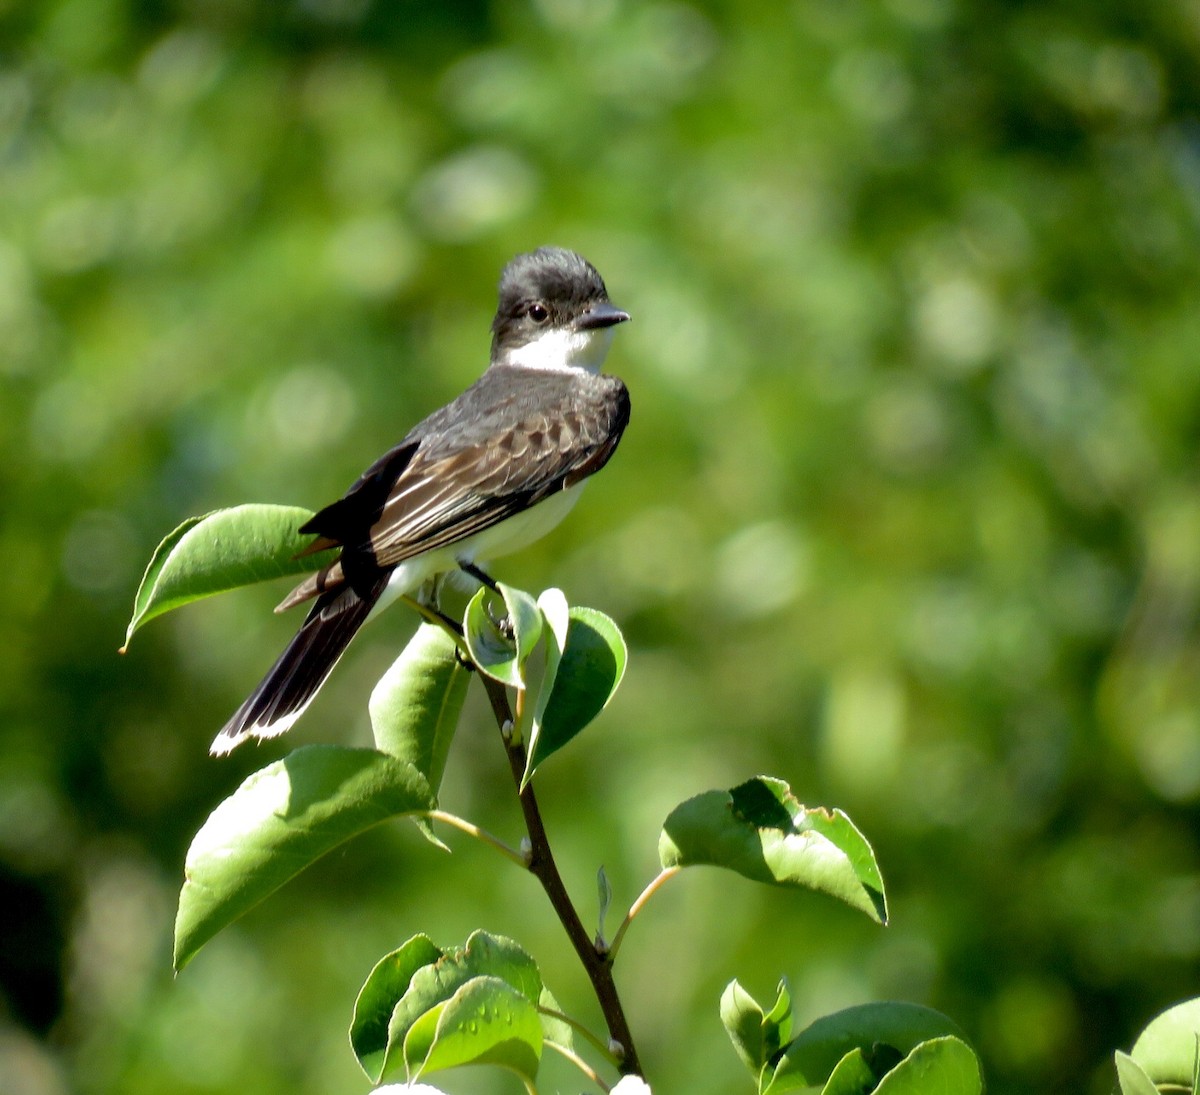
(504,624)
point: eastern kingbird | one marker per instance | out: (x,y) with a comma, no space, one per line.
(489,473)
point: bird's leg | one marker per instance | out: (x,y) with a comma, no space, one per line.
(463,660)
(505,625)
(481,576)
(428,597)
(432,590)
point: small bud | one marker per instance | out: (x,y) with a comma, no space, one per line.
(632,1085)
(526,850)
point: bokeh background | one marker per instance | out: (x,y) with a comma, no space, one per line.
(907,513)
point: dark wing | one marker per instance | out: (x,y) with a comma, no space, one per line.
(447,493)
(342,521)
(510,440)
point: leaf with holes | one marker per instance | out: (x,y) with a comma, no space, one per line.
(761,831)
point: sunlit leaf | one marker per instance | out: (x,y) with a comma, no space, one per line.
(1166,1049)
(939,1066)
(1132,1077)
(586,677)
(486,1021)
(757,1036)
(851,1076)
(556,622)
(761,831)
(429,988)
(222,551)
(384,986)
(280,820)
(888,1031)
(778,1021)
(416,704)
(743,1018)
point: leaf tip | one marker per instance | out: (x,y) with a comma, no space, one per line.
(879,902)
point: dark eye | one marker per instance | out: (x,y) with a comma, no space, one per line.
(538,312)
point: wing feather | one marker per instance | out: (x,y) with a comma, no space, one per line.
(495,451)
(449,493)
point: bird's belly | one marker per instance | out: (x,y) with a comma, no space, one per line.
(508,536)
(518,531)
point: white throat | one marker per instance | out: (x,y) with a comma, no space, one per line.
(562,350)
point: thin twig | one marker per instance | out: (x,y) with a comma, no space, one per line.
(582,1031)
(665,875)
(582,1065)
(479,834)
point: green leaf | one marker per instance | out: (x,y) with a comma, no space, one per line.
(586,676)
(757,1037)
(416,1045)
(743,1020)
(604,895)
(851,1076)
(556,622)
(486,1021)
(940,1066)
(1166,1049)
(484,955)
(498,655)
(1132,1077)
(416,704)
(280,820)
(892,1029)
(385,984)
(220,551)
(778,1021)
(761,831)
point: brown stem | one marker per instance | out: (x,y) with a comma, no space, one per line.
(541,863)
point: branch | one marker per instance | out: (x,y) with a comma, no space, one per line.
(598,966)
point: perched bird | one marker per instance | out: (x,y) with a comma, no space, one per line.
(487,474)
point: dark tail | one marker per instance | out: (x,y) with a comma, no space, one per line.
(302,668)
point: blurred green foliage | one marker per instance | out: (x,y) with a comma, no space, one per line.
(907,513)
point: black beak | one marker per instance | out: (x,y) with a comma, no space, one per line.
(604,314)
